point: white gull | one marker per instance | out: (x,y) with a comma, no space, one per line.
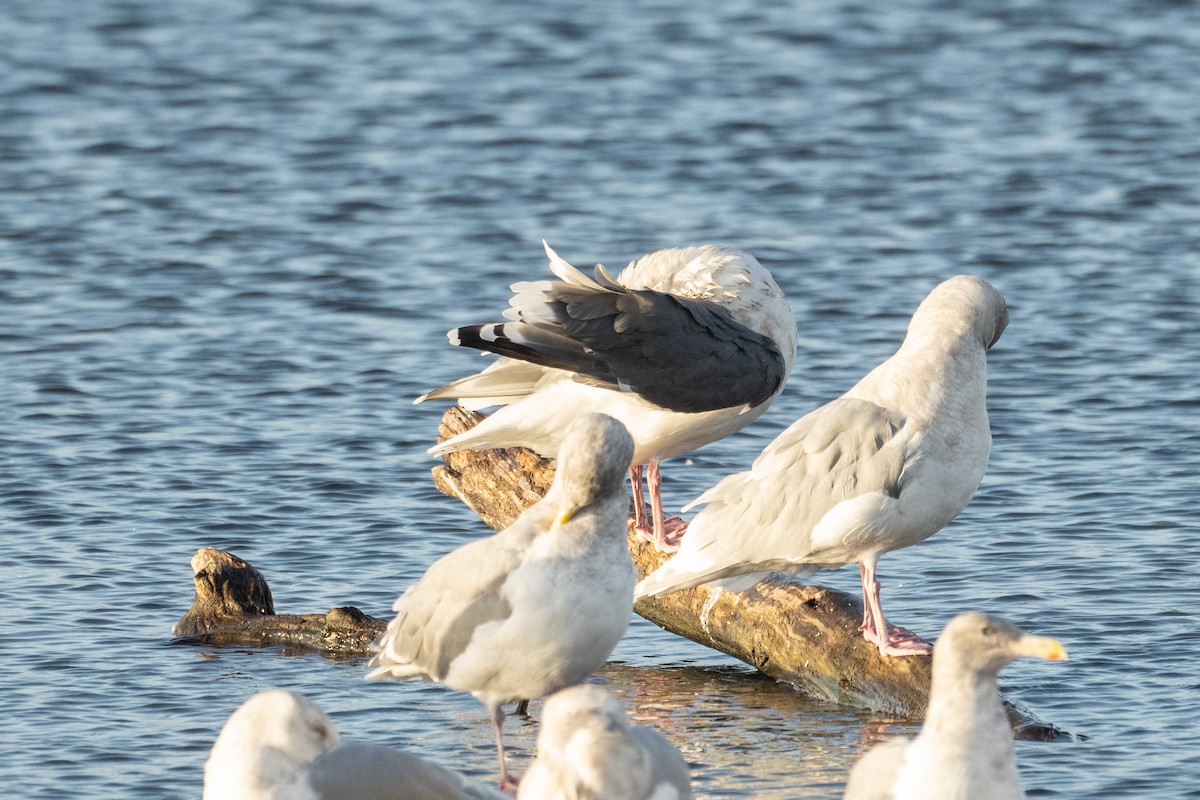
(279,745)
(588,750)
(538,606)
(965,748)
(884,466)
(685,346)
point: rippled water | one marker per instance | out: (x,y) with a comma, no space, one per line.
(232,235)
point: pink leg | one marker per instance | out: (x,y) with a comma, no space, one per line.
(891,640)
(868,623)
(507,785)
(639,501)
(669,531)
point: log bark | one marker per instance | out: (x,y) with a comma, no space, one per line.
(804,635)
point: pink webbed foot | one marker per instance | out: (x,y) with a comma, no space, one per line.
(672,535)
(668,541)
(898,642)
(508,785)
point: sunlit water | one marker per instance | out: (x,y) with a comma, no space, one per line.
(232,235)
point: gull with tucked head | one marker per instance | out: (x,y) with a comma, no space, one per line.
(685,347)
(538,606)
(279,745)
(884,466)
(965,748)
(587,750)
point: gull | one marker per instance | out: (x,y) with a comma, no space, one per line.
(537,607)
(279,745)
(965,748)
(685,347)
(587,750)
(884,466)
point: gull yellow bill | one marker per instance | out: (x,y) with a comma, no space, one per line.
(1043,647)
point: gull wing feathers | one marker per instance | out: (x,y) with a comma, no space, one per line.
(657,345)
(875,773)
(374,772)
(831,474)
(437,616)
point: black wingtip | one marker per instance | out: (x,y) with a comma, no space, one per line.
(491,337)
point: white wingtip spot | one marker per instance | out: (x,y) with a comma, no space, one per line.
(452,335)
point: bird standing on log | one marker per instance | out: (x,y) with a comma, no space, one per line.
(884,466)
(538,606)
(685,347)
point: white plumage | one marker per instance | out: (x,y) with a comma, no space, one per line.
(685,346)
(279,745)
(965,748)
(884,466)
(538,606)
(587,750)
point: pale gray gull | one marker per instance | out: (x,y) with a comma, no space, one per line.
(685,346)
(534,608)
(965,749)
(588,750)
(884,466)
(279,745)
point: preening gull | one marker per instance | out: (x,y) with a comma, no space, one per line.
(965,748)
(279,745)
(884,466)
(534,608)
(685,346)
(587,750)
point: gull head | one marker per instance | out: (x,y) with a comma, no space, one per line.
(962,308)
(983,644)
(266,742)
(593,459)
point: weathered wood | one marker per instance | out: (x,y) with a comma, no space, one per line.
(805,635)
(233,606)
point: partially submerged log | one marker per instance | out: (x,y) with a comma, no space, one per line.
(233,606)
(805,635)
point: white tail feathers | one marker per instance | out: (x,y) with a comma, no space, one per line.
(566,272)
(727,485)
(678,573)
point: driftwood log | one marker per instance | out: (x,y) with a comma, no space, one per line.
(805,635)
(233,606)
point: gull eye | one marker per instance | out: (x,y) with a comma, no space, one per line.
(987,630)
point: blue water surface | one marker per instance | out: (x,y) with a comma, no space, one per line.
(234,232)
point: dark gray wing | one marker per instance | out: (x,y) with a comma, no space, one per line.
(681,354)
